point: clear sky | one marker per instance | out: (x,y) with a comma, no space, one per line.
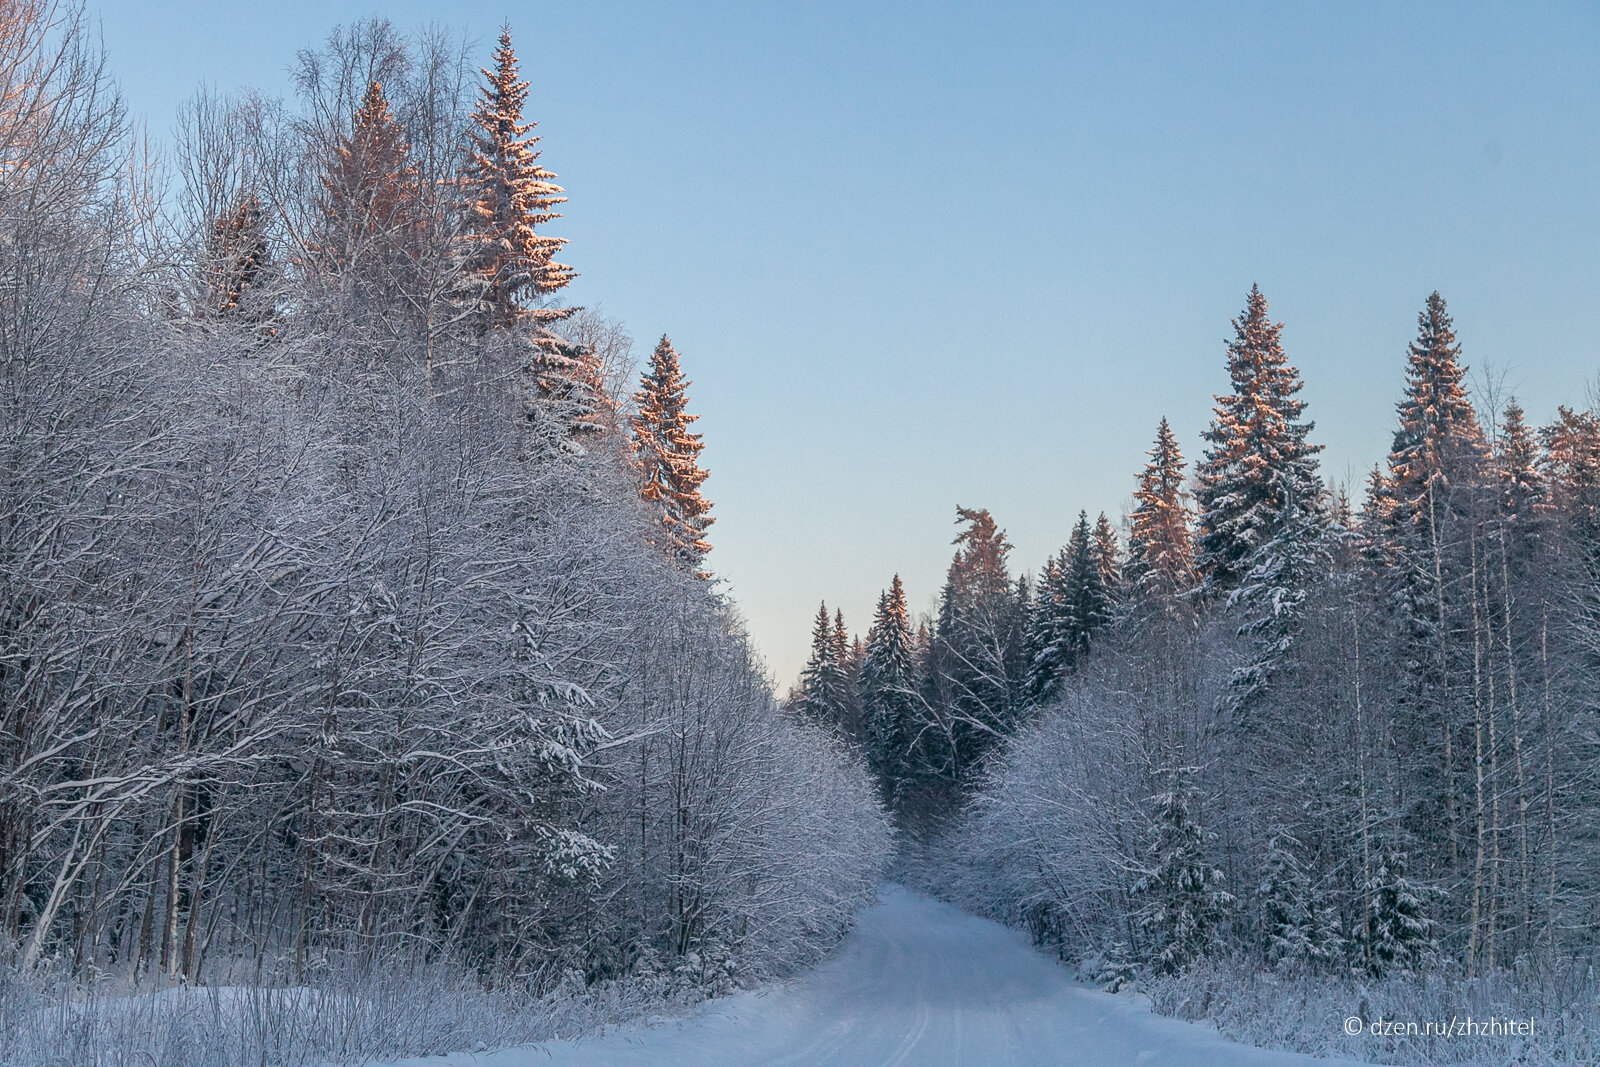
(924,254)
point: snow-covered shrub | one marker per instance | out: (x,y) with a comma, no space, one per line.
(352,1014)
(1308,1013)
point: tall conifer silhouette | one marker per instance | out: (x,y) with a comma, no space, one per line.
(369,197)
(1160,548)
(508,263)
(1108,556)
(889,692)
(1259,472)
(669,457)
(1439,444)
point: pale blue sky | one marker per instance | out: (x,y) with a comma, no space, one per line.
(926,254)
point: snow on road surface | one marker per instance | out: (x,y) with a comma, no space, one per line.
(917,982)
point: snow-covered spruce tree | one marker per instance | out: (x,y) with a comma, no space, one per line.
(669,460)
(1259,471)
(1516,464)
(1398,934)
(1160,548)
(1299,926)
(561,410)
(1179,898)
(1047,641)
(977,657)
(1428,502)
(815,677)
(508,265)
(369,203)
(823,680)
(1439,438)
(1107,556)
(1270,601)
(889,693)
(1263,522)
(1071,606)
(1090,604)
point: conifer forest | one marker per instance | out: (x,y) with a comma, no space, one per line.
(366,689)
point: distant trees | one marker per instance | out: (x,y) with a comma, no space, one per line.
(1275,726)
(1049,641)
(977,666)
(890,696)
(829,695)
(1071,604)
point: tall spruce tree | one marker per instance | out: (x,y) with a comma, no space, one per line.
(1047,638)
(1180,899)
(889,693)
(1259,472)
(369,201)
(1428,503)
(507,264)
(819,681)
(1089,605)
(1107,556)
(1398,935)
(669,460)
(978,658)
(1160,548)
(1439,445)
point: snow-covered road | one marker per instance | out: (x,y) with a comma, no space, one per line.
(917,982)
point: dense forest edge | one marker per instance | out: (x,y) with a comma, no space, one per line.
(362,693)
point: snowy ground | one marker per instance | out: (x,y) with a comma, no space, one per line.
(918,982)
